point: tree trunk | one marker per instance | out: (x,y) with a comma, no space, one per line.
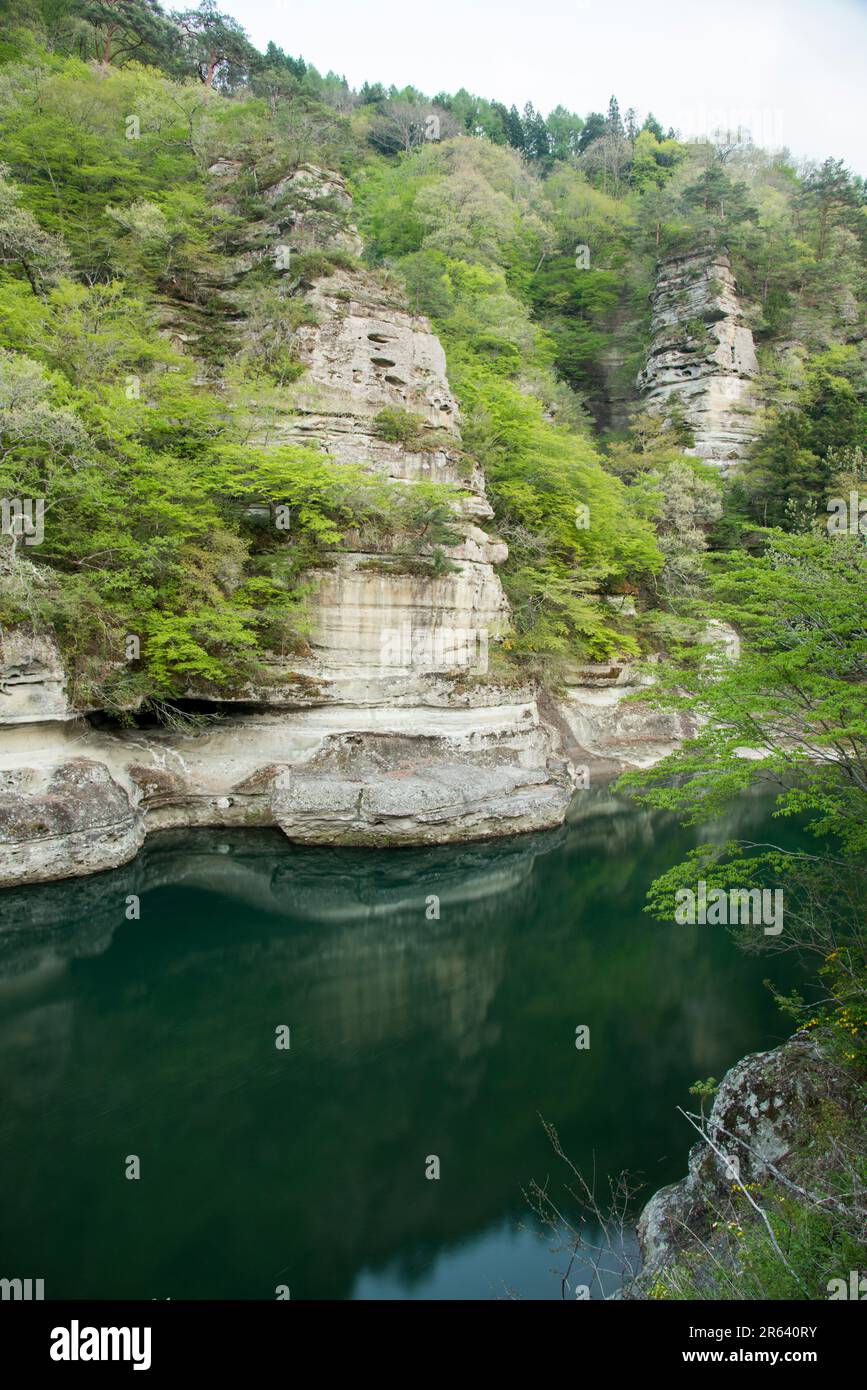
(106,48)
(29,273)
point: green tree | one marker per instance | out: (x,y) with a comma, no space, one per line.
(515,129)
(654,161)
(614,120)
(829,198)
(564,133)
(789,717)
(216,44)
(127,29)
(792,462)
(23,243)
(720,202)
(594,127)
(537,141)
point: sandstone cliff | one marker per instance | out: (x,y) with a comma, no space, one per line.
(701,356)
(390,728)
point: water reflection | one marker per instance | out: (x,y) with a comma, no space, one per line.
(411,1036)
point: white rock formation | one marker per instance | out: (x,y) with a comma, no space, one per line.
(702,357)
(60,819)
(32,678)
(757,1132)
(390,728)
(613,726)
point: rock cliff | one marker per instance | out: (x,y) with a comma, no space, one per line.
(758,1133)
(390,728)
(701,356)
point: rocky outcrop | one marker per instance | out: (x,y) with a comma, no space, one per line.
(381,626)
(62,814)
(440,803)
(389,726)
(64,819)
(610,723)
(702,357)
(32,678)
(765,1108)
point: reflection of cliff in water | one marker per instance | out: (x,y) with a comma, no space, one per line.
(260,871)
(410,1036)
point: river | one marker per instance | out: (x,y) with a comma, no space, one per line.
(429,1000)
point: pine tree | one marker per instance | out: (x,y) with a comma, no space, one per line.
(829,194)
(536,140)
(721,199)
(127,29)
(514,129)
(594,128)
(613,121)
(498,125)
(276,58)
(371,94)
(215,42)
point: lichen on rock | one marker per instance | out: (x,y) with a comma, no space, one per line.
(765,1141)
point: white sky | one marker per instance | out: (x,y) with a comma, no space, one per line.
(794,71)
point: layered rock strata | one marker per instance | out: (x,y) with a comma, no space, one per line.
(701,357)
(390,728)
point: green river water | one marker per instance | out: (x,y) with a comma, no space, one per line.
(305,1167)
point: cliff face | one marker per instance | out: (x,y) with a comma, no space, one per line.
(380,633)
(390,728)
(701,356)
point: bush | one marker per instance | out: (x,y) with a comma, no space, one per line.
(397,426)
